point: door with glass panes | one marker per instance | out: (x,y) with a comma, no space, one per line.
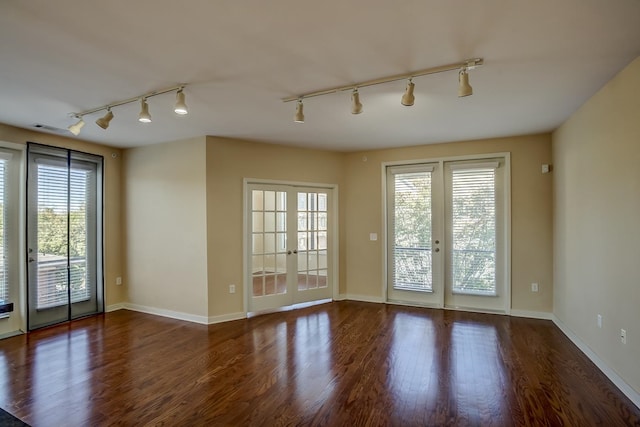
(288,242)
(64,235)
(446,234)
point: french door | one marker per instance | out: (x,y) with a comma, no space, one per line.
(64,235)
(447,234)
(289,245)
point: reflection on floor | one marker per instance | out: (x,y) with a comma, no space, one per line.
(341,363)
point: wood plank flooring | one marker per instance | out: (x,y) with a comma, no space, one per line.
(337,364)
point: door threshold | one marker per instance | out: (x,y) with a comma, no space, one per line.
(288,307)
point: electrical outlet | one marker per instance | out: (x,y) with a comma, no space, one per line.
(534,287)
(232,289)
(623,336)
(118,280)
(600,321)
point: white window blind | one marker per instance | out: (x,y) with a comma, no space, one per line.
(9,228)
(4,287)
(412,266)
(474,229)
(63,221)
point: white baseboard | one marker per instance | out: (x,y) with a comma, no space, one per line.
(226,317)
(616,379)
(11,334)
(114,307)
(362,298)
(167,313)
(543,315)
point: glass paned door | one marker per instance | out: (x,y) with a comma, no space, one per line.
(475,261)
(312,245)
(288,236)
(64,235)
(413,235)
(268,243)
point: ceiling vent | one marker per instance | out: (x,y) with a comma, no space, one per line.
(48,128)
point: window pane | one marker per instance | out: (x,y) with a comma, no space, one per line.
(281,201)
(269,200)
(412,232)
(52,236)
(322,202)
(269,243)
(474,231)
(257,198)
(302,201)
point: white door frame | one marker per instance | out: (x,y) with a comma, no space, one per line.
(506,271)
(333,232)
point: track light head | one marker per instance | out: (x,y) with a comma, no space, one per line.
(76,127)
(103,121)
(464,88)
(181,106)
(299,116)
(144,115)
(356,105)
(408,99)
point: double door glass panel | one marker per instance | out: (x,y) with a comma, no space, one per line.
(446,234)
(289,241)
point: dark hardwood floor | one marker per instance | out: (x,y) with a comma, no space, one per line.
(337,364)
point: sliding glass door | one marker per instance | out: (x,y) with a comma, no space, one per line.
(64,235)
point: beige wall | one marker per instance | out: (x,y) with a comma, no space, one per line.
(531,215)
(113,259)
(228,163)
(166,229)
(597,208)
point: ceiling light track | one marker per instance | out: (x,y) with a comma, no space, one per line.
(408,98)
(180,108)
(469,64)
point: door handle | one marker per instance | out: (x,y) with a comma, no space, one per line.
(295,251)
(31,259)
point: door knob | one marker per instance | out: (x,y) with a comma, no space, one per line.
(288,252)
(437,241)
(436,250)
(295,251)
(31,259)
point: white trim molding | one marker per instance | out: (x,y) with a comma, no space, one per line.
(167,313)
(114,307)
(616,379)
(226,317)
(542,315)
(362,298)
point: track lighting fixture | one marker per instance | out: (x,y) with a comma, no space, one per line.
(299,116)
(356,105)
(408,99)
(103,121)
(464,88)
(76,127)
(144,116)
(181,106)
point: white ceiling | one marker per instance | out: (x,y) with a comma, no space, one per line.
(543,59)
